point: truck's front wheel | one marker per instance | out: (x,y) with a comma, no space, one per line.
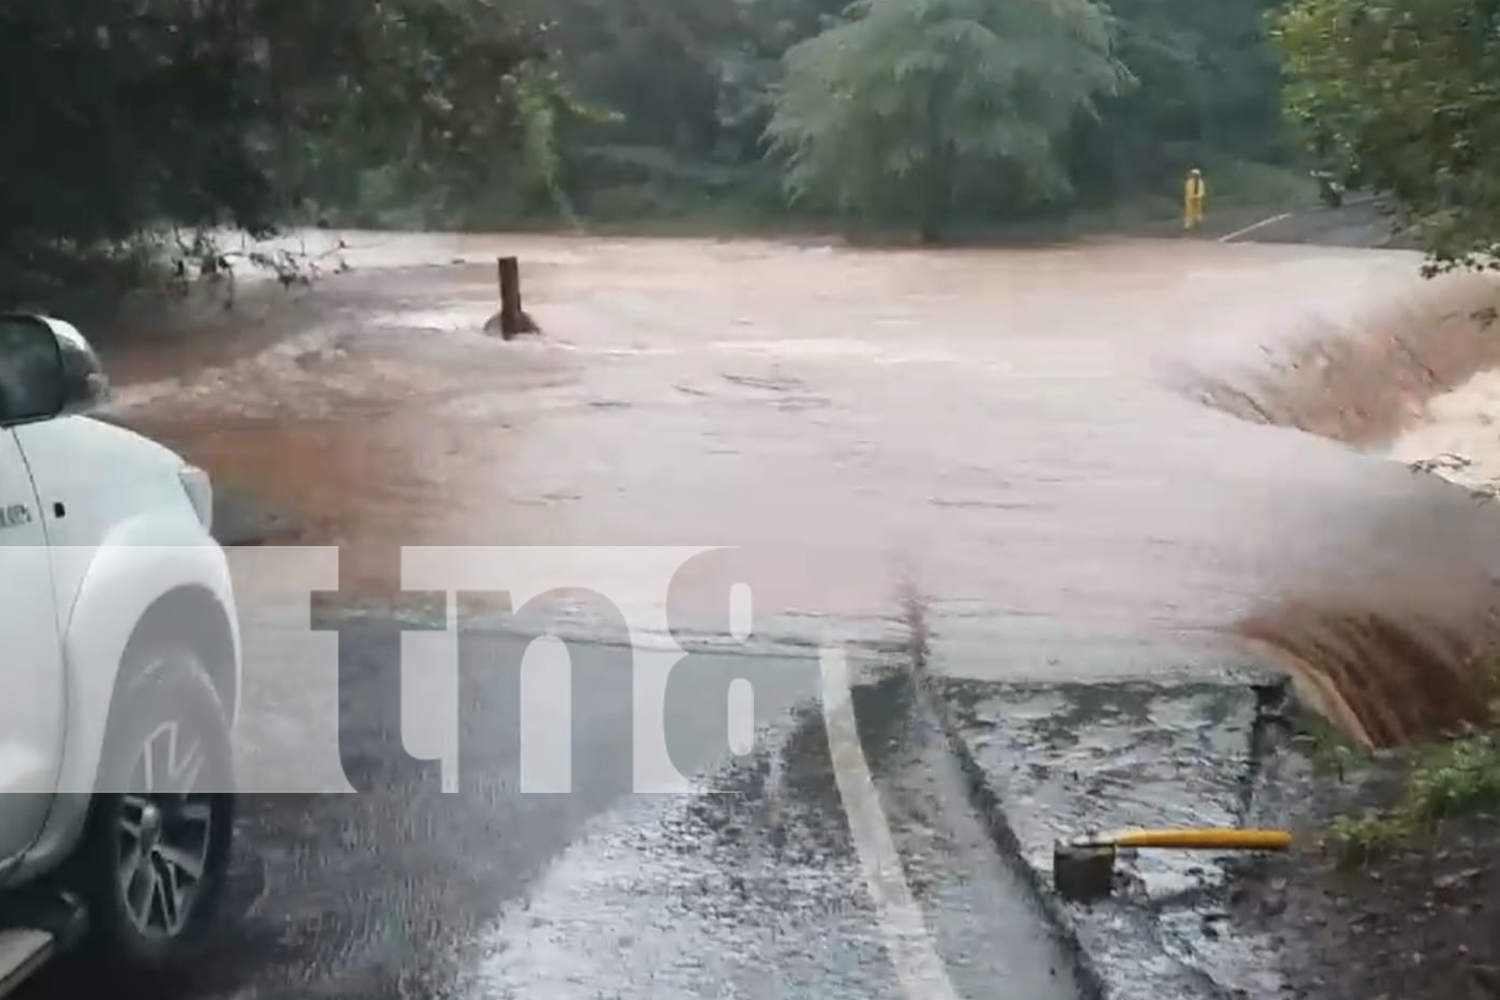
(156,850)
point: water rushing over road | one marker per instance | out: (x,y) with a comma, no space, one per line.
(1016,436)
(1010,426)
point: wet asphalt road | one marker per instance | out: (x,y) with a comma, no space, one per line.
(401,891)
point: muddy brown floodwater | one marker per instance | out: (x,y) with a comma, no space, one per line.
(1017,426)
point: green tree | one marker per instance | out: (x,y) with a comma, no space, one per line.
(432,104)
(689,81)
(1403,97)
(120,116)
(1209,87)
(911,106)
(124,118)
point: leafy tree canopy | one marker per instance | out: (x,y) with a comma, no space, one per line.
(128,115)
(1208,85)
(132,116)
(911,104)
(1403,97)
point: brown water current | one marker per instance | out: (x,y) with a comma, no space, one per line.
(1025,429)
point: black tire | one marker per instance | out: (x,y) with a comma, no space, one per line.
(174,846)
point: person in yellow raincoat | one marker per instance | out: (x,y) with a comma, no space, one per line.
(1194,191)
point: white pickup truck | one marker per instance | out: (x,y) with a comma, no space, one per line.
(121,675)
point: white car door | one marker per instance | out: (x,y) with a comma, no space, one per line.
(32,684)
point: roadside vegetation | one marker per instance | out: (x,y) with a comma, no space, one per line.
(936,118)
(126,122)
(1400,97)
(1453,779)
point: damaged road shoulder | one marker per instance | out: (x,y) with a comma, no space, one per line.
(1050,760)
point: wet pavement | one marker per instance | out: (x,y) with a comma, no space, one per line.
(766,884)
(1054,761)
(754,890)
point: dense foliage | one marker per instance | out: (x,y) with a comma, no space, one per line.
(1207,88)
(1403,97)
(430,105)
(916,107)
(696,82)
(127,116)
(117,115)
(132,116)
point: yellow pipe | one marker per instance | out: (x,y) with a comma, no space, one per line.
(1202,840)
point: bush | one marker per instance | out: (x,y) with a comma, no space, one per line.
(1459,778)
(1358,840)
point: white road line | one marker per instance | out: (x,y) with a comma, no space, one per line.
(907,940)
(1252,228)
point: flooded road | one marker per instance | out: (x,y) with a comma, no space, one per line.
(1014,442)
(1017,429)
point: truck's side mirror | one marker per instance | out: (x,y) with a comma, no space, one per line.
(47,369)
(85,386)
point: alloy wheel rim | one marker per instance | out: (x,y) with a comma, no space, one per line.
(164,831)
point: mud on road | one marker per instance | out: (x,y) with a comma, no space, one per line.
(1022,430)
(1030,445)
